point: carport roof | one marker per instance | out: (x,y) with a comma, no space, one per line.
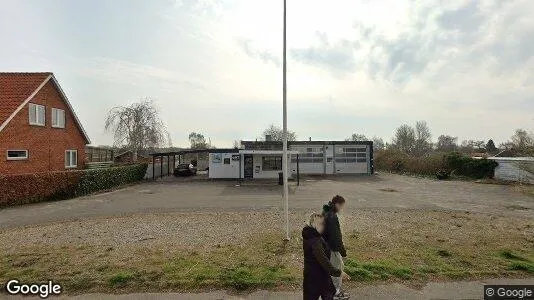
(189,151)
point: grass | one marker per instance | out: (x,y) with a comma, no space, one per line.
(430,246)
(369,271)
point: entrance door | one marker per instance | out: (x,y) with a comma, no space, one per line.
(248,165)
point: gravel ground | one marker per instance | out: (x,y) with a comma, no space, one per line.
(210,228)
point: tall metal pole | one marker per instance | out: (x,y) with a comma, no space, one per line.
(284,143)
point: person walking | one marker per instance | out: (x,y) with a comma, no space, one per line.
(317,267)
(332,236)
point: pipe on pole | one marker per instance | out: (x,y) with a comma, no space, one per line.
(284,138)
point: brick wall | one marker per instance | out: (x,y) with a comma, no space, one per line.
(46,145)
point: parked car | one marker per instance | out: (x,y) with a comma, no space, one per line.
(185,170)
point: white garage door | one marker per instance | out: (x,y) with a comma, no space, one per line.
(352,159)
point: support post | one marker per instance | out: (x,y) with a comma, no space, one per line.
(298,170)
(153,167)
(161,166)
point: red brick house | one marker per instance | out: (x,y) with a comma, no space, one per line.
(39,130)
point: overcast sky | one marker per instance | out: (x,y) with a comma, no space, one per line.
(214,66)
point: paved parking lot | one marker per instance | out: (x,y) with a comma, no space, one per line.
(384,191)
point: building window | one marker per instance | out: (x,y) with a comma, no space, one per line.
(271,163)
(58,118)
(308,155)
(37,114)
(71,158)
(17,154)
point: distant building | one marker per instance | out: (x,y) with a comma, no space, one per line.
(39,130)
(127,157)
(264,159)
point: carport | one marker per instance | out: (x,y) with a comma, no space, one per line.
(159,157)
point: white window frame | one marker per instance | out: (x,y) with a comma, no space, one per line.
(54,116)
(69,153)
(16,158)
(37,108)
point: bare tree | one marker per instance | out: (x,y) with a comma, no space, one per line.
(169,140)
(276,133)
(423,143)
(198,141)
(447,143)
(237,144)
(137,126)
(357,137)
(470,146)
(522,139)
(378,143)
(404,139)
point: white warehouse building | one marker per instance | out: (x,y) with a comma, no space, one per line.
(264,159)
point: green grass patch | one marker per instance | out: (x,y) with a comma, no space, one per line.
(507,254)
(522,266)
(366,271)
(121,278)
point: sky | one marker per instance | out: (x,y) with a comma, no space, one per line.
(354,66)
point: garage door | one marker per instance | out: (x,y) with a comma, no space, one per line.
(352,159)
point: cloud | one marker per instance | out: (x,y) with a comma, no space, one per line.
(127,72)
(465,17)
(267,57)
(337,56)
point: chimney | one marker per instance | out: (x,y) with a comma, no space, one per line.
(310,138)
(268,138)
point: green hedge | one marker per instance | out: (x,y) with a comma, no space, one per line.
(462,165)
(440,164)
(49,186)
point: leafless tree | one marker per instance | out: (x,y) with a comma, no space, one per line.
(423,142)
(237,144)
(404,139)
(137,126)
(198,141)
(276,133)
(378,143)
(447,143)
(522,139)
(357,137)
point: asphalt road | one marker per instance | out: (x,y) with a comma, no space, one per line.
(181,195)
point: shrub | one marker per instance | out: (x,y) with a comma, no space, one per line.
(399,162)
(435,164)
(470,167)
(39,187)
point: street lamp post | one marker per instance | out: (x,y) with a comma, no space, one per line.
(284,138)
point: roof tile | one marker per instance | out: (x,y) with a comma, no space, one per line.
(15,88)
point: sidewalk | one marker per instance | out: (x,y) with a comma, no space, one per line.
(441,290)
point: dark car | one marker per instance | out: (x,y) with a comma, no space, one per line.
(185,170)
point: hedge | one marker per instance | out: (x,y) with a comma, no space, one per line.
(440,164)
(50,186)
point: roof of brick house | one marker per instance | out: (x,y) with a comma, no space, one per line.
(17,89)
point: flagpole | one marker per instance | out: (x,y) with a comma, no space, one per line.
(284,138)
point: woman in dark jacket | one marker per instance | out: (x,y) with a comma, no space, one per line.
(317,267)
